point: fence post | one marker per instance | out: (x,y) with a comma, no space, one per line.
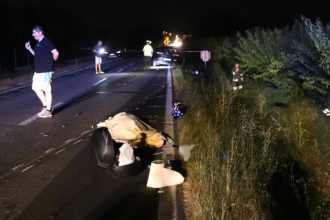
(63,54)
(76,53)
(28,58)
(15,58)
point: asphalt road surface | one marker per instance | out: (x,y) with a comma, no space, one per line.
(48,168)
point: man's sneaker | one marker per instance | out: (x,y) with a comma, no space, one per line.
(101,72)
(45,114)
(42,110)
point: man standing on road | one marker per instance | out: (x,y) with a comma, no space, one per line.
(237,77)
(98,50)
(45,54)
(148,51)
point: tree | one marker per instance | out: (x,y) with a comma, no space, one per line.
(311,55)
(262,54)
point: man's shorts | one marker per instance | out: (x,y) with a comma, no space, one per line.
(98,60)
(42,81)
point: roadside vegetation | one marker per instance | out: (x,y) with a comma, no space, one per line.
(261,152)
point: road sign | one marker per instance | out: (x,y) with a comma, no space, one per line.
(205,55)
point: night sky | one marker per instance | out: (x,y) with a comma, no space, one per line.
(81,23)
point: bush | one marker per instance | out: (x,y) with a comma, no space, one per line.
(262,54)
(311,55)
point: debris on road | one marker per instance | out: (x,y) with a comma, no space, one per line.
(126,127)
(160,177)
(178,109)
(126,155)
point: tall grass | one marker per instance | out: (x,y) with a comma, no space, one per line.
(239,151)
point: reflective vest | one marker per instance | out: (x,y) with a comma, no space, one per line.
(148,50)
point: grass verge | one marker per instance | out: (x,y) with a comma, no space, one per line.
(258,154)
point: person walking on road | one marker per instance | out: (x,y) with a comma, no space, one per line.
(148,52)
(99,51)
(45,54)
(237,77)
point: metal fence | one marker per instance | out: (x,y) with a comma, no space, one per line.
(12,59)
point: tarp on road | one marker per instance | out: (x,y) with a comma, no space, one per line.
(126,127)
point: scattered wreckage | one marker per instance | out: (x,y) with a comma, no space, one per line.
(114,143)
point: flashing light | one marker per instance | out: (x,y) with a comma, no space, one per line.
(176,43)
(102,51)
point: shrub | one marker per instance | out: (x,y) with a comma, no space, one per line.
(310,58)
(262,54)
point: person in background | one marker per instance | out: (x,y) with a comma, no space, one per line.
(98,50)
(44,54)
(237,77)
(148,52)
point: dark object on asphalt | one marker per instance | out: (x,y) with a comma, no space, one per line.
(104,147)
(107,151)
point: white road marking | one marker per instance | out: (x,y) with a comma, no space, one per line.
(169,92)
(35,161)
(29,167)
(60,151)
(103,92)
(77,142)
(34,117)
(161,67)
(15,168)
(85,132)
(97,83)
(49,150)
(28,121)
(121,70)
(69,140)
(170,130)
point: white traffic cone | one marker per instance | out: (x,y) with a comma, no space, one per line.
(160,177)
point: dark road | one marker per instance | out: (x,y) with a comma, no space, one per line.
(48,168)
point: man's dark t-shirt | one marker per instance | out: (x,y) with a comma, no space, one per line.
(97,48)
(43,57)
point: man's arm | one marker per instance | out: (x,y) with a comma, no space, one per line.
(55,54)
(29,48)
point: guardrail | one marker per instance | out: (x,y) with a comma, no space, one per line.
(12,59)
(15,59)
